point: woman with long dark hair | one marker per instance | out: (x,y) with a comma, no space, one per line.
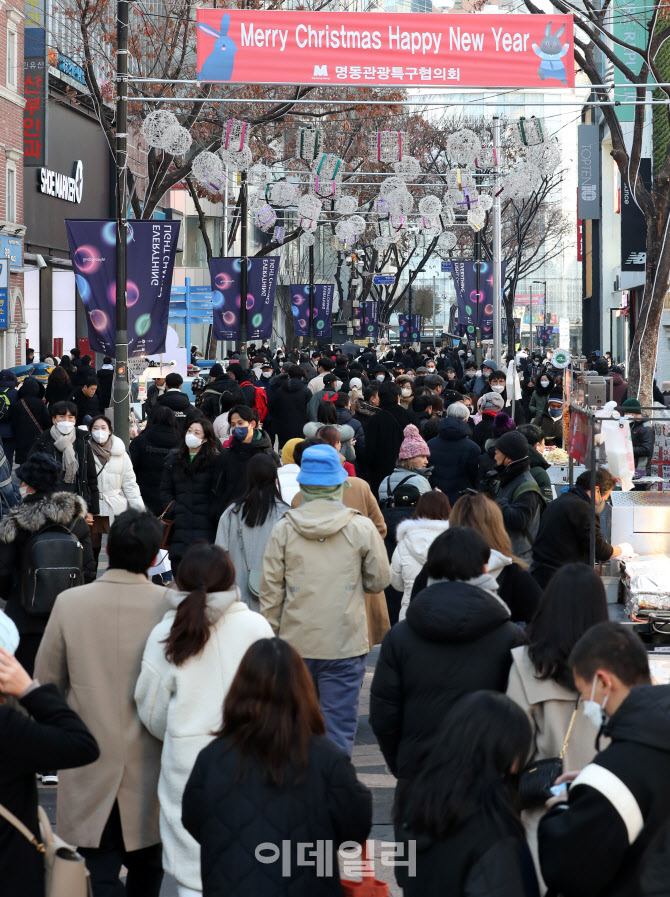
(187,489)
(540,680)
(272,775)
(244,528)
(189,662)
(149,450)
(59,388)
(461,808)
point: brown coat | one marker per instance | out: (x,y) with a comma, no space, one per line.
(359,496)
(92,650)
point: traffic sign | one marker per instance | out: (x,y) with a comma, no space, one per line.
(446,266)
(384,279)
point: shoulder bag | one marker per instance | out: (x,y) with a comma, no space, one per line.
(536,780)
(166,526)
(31,416)
(65,872)
(253,576)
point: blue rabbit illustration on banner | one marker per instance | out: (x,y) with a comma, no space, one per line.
(551,53)
(219,64)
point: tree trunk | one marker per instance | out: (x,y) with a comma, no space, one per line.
(511,332)
(643,352)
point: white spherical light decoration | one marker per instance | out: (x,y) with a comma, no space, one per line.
(208,170)
(157,126)
(430,206)
(178,141)
(346,205)
(463,146)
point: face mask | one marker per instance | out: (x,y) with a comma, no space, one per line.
(544,383)
(380,377)
(431,370)
(100,436)
(470,374)
(240,433)
(65,427)
(486,373)
(406,391)
(592,710)
(497,388)
(193,441)
(556,412)
(23,490)
(469,354)
(266,374)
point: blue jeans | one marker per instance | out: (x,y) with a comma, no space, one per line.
(338,684)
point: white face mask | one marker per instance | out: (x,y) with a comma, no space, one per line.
(431,370)
(406,391)
(544,383)
(497,388)
(65,427)
(592,710)
(23,490)
(193,441)
(266,374)
(380,377)
(470,374)
(100,436)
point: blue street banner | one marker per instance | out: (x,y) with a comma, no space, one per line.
(151,251)
(226,299)
(475,309)
(403,328)
(371,321)
(415,328)
(322,311)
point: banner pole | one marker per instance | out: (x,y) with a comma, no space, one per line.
(310,332)
(121,399)
(497,248)
(187,319)
(244,274)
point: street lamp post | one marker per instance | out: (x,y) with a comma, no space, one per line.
(244,273)
(121,380)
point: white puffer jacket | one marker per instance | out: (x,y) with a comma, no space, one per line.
(116,482)
(414,538)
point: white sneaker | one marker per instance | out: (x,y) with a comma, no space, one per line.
(48,778)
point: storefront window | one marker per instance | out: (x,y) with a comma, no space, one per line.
(195,254)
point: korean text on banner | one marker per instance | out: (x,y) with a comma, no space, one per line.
(226,300)
(151,251)
(259,46)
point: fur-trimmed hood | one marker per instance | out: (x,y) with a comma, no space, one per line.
(416,536)
(31,516)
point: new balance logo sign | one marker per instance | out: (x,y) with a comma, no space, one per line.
(320,71)
(636,258)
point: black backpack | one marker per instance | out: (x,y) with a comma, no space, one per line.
(53,561)
(405,495)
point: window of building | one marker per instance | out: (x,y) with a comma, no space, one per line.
(11,57)
(10,193)
(195,253)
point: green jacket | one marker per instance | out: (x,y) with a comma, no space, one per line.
(538,469)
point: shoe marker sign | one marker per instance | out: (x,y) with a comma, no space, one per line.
(247,46)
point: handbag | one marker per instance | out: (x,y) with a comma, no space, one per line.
(65,872)
(253,576)
(536,780)
(166,526)
(31,415)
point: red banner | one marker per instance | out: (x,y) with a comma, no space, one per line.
(579,437)
(276,47)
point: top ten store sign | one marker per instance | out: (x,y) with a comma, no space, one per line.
(259,47)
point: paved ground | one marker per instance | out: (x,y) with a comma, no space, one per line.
(371,769)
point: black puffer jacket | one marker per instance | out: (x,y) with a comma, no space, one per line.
(178,402)
(642,437)
(454,458)
(86,481)
(29,405)
(148,451)
(481,859)
(105,384)
(232,467)
(595,846)
(191,489)
(230,818)
(18,526)
(288,407)
(48,735)
(455,639)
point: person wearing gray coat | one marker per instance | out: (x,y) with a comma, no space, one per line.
(245,527)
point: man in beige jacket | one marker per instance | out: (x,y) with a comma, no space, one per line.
(92,650)
(319,561)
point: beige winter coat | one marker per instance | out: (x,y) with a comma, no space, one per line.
(92,650)
(320,560)
(549,708)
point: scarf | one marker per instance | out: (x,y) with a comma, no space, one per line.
(329,493)
(102,452)
(65,445)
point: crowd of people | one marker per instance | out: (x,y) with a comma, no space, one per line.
(199,699)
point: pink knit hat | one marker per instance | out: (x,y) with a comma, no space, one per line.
(412,444)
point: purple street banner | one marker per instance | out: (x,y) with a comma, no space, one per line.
(359,314)
(151,250)
(475,309)
(323,307)
(368,320)
(415,328)
(226,299)
(403,327)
